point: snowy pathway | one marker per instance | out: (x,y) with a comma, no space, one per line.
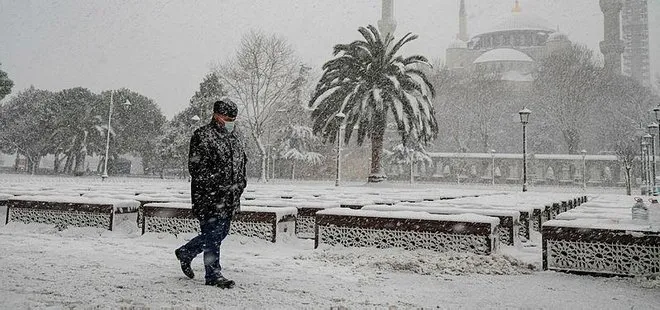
(91,268)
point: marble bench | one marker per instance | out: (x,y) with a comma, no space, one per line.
(68,211)
(261,222)
(601,246)
(407,229)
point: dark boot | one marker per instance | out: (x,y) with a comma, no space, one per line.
(185,263)
(221,282)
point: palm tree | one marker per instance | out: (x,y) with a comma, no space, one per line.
(365,81)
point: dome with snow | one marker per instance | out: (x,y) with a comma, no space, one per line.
(503,60)
(458,44)
(520,29)
(557,36)
(521,21)
(503,55)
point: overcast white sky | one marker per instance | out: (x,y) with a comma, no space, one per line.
(163,49)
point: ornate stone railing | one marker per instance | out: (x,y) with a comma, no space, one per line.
(71,211)
(260,222)
(408,230)
(306,217)
(508,226)
(601,246)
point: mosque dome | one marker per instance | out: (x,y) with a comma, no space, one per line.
(518,29)
(557,36)
(458,44)
(521,21)
(503,55)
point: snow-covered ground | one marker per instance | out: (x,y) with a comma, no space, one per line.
(81,268)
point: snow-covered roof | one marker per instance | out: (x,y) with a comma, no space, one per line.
(503,54)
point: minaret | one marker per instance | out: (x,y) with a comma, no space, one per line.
(387,24)
(635,29)
(611,46)
(462,23)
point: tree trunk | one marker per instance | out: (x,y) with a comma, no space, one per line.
(293,170)
(412,175)
(262,153)
(68,164)
(17,161)
(37,164)
(628,181)
(572,138)
(99,165)
(80,160)
(56,163)
(377,174)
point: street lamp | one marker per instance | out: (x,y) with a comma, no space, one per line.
(524,119)
(648,143)
(653,127)
(492,166)
(340,118)
(642,163)
(107,141)
(584,169)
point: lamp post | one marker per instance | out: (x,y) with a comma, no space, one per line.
(584,169)
(642,164)
(648,145)
(653,127)
(340,118)
(524,119)
(492,166)
(107,141)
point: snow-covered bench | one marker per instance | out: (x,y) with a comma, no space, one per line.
(406,229)
(144,200)
(306,217)
(605,246)
(260,222)
(508,224)
(3,207)
(71,211)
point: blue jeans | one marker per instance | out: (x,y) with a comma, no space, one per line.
(214,230)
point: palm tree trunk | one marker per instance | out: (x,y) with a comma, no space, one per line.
(377,174)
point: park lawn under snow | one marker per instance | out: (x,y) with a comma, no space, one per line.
(43,268)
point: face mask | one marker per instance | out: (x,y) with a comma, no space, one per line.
(229,126)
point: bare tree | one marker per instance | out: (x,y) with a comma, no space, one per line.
(566,83)
(470,107)
(626,149)
(260,78)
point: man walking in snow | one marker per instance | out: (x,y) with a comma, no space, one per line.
(217,169)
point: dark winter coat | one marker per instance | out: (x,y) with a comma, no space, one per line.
(216,162)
